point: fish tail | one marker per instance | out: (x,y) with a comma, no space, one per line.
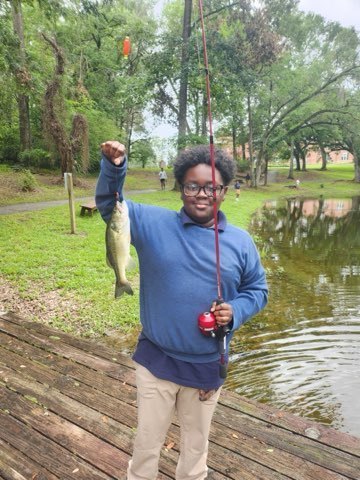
(121,288)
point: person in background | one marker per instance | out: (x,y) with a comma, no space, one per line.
(177,367)
(237,190)
(248,178)
(163,178)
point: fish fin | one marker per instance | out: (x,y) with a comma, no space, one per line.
(121,288)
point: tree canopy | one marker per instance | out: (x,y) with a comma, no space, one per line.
(279,78)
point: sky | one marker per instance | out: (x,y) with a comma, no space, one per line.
(346,12)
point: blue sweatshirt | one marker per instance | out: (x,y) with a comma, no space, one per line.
(178,272)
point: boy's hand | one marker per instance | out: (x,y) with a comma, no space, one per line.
(223,313)
(114,151)
(206,394)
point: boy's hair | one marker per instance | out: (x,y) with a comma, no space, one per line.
(193,156)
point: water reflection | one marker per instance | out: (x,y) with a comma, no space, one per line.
(303,352)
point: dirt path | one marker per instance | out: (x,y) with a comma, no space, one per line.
(28,207)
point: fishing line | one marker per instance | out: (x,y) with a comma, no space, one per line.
(212,152)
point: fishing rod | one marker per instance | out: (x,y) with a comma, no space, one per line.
(207,323)
(212,150)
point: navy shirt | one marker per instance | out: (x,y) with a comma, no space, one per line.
(197,375)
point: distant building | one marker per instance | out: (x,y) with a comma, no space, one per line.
(313,157)
(339,156)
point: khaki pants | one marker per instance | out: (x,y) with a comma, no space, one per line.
(158,400)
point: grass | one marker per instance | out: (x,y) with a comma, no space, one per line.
(63,279)
(50,186)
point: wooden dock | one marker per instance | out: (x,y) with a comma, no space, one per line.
(68,411)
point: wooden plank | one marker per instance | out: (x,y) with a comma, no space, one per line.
(79,414)
(50,359)
(96,347)
(53,345)
(79,373)
(88,417)
(54,458)
(73,438)
(16,466)
(329,436)
(286,458)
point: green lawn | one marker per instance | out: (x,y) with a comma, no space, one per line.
(63,278)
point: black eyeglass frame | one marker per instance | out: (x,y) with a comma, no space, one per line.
(210,188)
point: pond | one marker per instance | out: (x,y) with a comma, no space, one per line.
(302,353)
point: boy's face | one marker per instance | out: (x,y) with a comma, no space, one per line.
(200,206)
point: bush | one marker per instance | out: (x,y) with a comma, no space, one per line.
(28,182)
(36,157)
(243,165)
(9,145)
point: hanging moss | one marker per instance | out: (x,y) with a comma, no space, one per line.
(68,145)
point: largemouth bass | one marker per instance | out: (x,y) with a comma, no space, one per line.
(118,247)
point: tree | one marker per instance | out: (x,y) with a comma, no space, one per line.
(276,75)
(183,93)
(67,145)
(302,92)
(243,46)
(143,153)
(350,128)
(22,76)
(291,161)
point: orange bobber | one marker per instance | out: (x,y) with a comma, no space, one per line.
(126,47)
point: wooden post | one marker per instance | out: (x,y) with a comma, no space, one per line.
(69,186)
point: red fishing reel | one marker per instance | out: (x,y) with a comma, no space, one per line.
(207,324)
(208,327)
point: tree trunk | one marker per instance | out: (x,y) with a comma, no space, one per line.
(323,157)
(129,131)
(357,166)
(303,160)
(243,150)
(266,169)
(24,122)
(252,160)
(297,161)
(203,116)
(291,167)
(184,72)
(233,134)
(22,78)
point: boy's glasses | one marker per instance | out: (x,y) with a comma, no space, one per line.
(193,189)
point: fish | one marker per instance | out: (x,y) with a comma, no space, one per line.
(117,240)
